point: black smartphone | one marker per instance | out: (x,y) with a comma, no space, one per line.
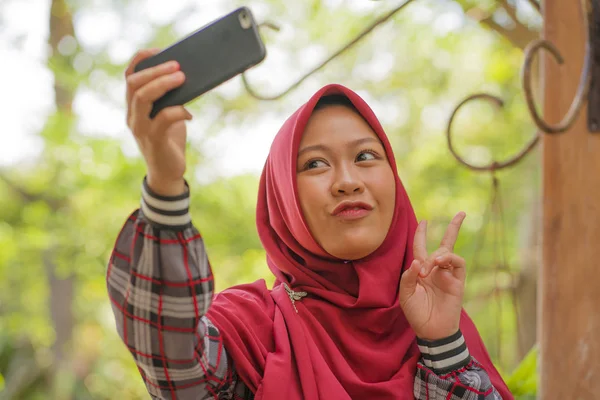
(210,56)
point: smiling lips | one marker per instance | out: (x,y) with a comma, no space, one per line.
(350,210)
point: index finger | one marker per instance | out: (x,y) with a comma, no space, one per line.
(420,242)
(452,232)
(139,56)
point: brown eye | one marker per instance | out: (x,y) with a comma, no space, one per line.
(312,164)
(366,155)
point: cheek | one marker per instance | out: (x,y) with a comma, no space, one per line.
(386,192)
(312,196)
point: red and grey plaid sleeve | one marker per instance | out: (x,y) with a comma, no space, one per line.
(447,371)
(160,285)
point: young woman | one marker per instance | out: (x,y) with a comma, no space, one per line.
(359,308)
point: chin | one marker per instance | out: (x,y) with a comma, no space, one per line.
(354,247)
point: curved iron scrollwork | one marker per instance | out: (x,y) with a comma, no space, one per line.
(567,121)
(494,166)
(526,75)
(584,82)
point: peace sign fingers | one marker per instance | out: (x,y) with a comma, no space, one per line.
(446,246)
(452,232)
(420,242)
(432,290)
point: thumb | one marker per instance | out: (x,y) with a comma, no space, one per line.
(408,281)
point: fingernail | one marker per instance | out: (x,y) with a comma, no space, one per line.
(172,65)
(438,259)
(422,271)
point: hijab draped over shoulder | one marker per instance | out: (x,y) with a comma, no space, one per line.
(349,338)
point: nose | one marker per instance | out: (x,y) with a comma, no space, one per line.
(347,181)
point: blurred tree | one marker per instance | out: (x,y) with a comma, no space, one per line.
(50,202)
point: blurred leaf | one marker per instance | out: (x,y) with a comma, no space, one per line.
(523,380)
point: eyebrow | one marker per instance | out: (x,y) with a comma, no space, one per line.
(349,144)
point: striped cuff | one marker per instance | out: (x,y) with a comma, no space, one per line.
(445,355)
(167,212)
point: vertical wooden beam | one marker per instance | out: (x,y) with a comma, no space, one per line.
(570,277)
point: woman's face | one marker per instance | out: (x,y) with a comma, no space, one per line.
(345,183)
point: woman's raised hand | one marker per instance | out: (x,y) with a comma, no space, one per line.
(432,289)
(161,139)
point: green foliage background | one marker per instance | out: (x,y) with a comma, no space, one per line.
(61,210)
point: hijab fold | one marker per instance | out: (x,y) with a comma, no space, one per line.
(349,338)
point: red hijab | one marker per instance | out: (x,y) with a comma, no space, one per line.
(349,338)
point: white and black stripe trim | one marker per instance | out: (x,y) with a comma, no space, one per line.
(445,355)
(170,212)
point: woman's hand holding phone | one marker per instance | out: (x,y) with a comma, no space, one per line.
(161,139)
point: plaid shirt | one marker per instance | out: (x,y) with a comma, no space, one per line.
(160,286)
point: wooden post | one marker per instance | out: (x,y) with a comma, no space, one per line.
(569,326)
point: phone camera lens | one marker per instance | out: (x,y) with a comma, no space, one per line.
(245,20)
